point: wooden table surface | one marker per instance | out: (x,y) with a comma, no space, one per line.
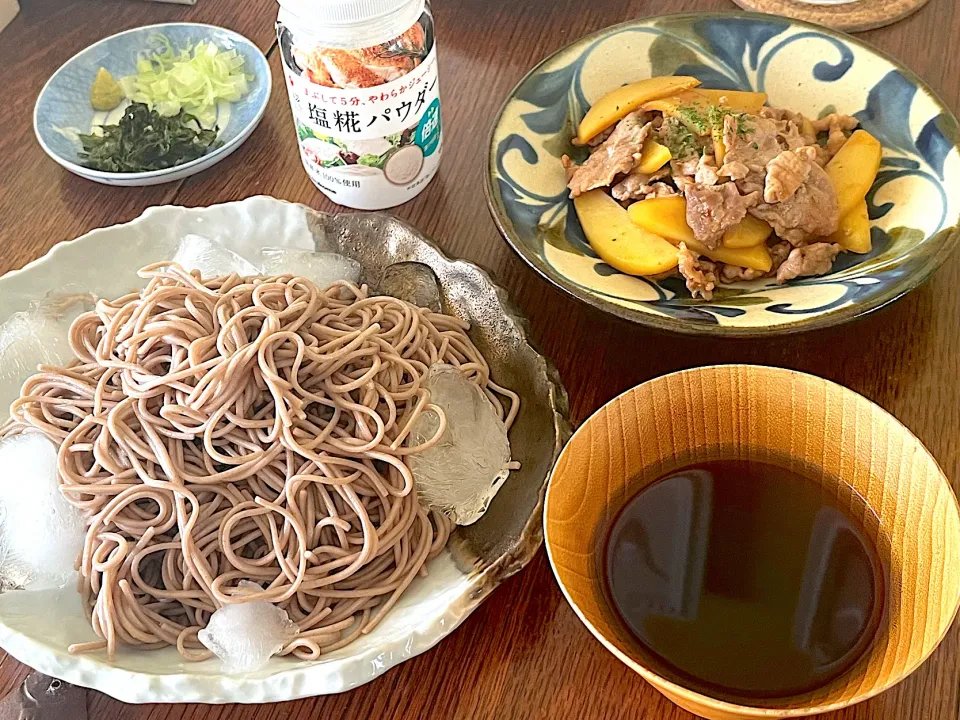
(523,654)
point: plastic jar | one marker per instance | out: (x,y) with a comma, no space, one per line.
(362,81)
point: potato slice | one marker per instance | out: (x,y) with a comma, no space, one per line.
(750,232)
(667,217)
(736,100)
(621,244)
(755,258)
(690,107)
(853,169)
(853,234)
(615,105)
(719,146)
(653,156)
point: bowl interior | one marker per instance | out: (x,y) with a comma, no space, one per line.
(63,108)
(816,427)
(914,204)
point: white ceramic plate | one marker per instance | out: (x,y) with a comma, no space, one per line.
(37,627)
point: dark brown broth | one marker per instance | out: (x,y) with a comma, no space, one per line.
(744,580)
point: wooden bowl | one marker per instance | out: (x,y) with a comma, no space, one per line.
(766,414)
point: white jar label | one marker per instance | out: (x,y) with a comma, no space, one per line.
(373,146)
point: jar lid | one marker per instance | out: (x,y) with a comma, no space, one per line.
(361,19)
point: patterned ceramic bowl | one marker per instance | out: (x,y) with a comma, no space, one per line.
(63,108)
(914,204)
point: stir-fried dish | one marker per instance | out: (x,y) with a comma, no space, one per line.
(717,186)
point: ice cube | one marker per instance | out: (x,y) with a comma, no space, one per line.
(461,473)
(211,258)
(322,268)
(41,534)
(246,635)
(29,338)
(38,336)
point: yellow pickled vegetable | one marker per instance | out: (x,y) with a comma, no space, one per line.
(748,232)
(617,104)
(693,107)
(853,169)
(667,218)
(663,216)
(755,258)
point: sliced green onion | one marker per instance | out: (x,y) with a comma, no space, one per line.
(193,79)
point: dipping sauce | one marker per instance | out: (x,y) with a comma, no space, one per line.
(744,580)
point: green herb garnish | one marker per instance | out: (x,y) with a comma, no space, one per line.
(717,114)
(693,118)
(144,140)
(677,137)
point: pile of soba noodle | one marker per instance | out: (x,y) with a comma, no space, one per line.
(254,428)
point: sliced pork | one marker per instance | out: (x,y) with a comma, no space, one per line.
(714,209)
(837,127)
(616,156)
(638,185)
(750,142)
(809,211)
(699,274)
(815,259)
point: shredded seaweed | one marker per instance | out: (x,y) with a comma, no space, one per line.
(145,140)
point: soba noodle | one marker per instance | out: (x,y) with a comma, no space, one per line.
(235,429)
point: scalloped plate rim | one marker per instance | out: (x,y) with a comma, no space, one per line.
(133,686)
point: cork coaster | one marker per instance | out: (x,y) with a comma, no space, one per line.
(852,15)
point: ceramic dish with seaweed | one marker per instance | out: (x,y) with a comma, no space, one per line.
(65,111)
(913,205)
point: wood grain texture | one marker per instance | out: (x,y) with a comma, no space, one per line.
(524,653)
(814,427)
